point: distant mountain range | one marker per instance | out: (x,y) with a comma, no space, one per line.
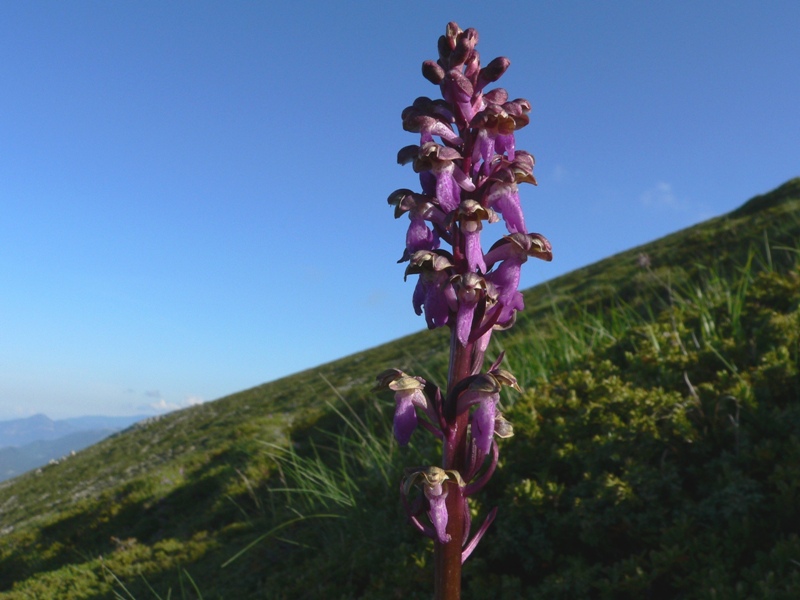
(31,442)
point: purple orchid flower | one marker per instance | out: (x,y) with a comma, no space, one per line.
(424,118)
(470,290)
(504,198)
(436,494)
(470,216)
(503,190)
(433,481)
(405,415)
(421,209)
(514,250)
(484,390)
(410,396)
(434,291)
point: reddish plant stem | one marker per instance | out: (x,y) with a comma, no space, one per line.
(447,557)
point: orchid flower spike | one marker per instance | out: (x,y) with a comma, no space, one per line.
(471,176)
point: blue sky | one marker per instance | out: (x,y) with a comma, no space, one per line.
(193,194)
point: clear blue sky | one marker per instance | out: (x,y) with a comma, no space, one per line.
(193,194)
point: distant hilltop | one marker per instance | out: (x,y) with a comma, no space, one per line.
(32,442)
(39,427)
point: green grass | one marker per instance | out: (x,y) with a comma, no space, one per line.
(656,454)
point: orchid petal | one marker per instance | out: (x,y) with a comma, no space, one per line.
(405,418)
(483,425)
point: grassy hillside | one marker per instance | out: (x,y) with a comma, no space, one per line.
(656,455)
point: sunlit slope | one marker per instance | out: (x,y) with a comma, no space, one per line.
(191,489)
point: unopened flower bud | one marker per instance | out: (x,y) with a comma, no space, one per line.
(433,72)
(493,71)
(465,46)
(496,96)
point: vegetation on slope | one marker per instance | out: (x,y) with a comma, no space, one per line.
(656,455)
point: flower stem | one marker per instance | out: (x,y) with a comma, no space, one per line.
(447,557)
